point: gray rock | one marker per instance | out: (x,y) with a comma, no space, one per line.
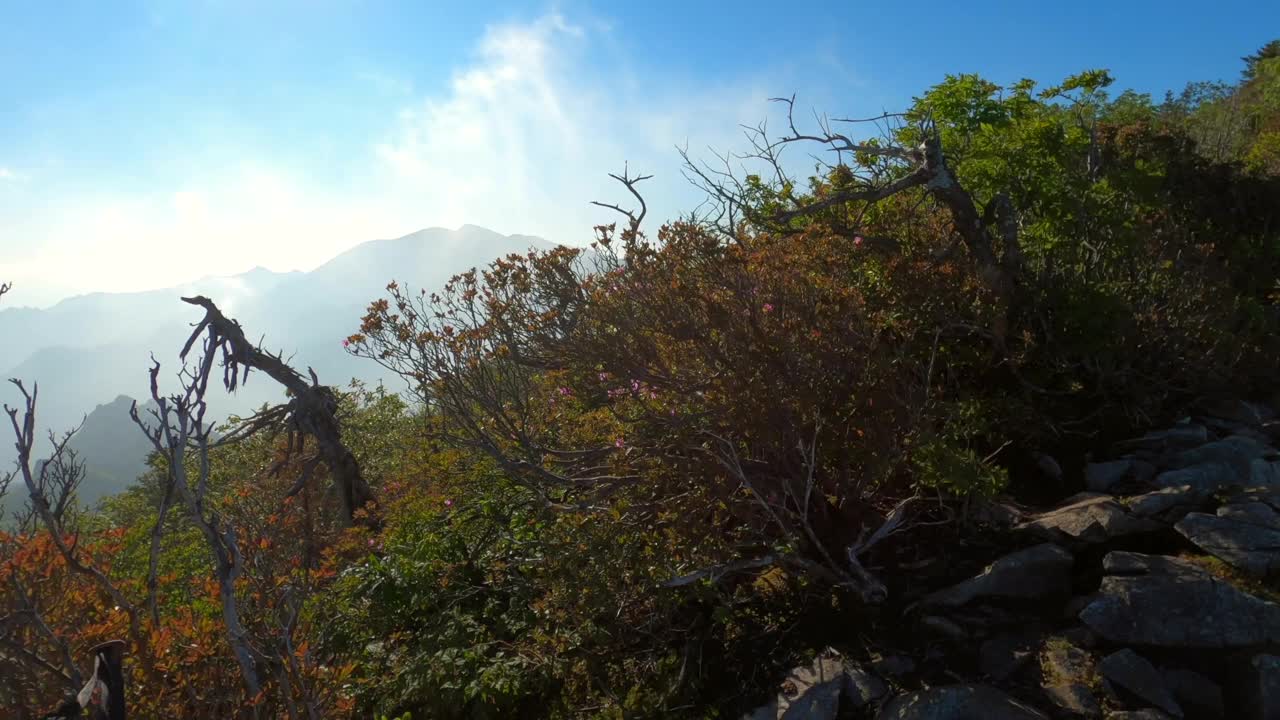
(1069,672)
(1160,601)
(1075,698)
(1179,437)
(1032,573)
(1100,477)
(1002,515)
(1063,663)
(1049,467)
(817,695)
(1089,518)
(1264,472)
(944,627)
(811,692)
(958,702)
(1199,697)
(1132,563)
(862,688)
(1208,478)
(1236,452)
(1143,472)
(1264,698)
(1166,502)
(1236,539)
(1132,672)
(1269,496)
(1254,512)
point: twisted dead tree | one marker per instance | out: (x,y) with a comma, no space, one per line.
(879,169)
(311,411)
(180,427)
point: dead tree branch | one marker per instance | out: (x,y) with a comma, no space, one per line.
(311,411)
(25,432)
(180,427)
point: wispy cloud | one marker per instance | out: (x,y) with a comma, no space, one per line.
(520,141)
(10,175)
(528,132)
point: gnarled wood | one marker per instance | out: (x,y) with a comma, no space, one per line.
(312,410)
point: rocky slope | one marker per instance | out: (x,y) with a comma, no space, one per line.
(1153,594)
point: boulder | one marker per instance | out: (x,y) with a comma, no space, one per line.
(862,688)
(958,702)
(1035,572)
(821,691)
(1235,453)
(1132,673)
(944,627)
(1069,675)
(1245,535)
(1199,697)
(1264,472)
(1101,477)
(1163,602)
(1089,519)
(809,692)
(1179,437)
(1236,450)
(1166,503)
(1264,697)
(1074,698)
(1269,495)
(1206,478)
(1253,512)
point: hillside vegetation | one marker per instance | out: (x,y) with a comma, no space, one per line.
(642,479)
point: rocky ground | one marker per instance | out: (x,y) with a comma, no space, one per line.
(1153,594)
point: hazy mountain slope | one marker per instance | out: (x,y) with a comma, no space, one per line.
(112,448)
(91,348)
(97,319)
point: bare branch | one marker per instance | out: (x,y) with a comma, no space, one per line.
(312,409)
(180,427)
(633,219)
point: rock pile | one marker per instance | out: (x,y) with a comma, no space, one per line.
(1078,623)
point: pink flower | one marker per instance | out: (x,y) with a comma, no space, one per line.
(768,307)
(346,343)
(618,443)
(373,543)
(857,241)
(565,391)
(604,376)
(448,503)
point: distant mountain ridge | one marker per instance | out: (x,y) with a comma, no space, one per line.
(88,349)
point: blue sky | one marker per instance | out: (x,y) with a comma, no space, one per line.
(285,132)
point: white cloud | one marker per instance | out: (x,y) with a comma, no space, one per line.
(10,175)
(525,138)
(520,142)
